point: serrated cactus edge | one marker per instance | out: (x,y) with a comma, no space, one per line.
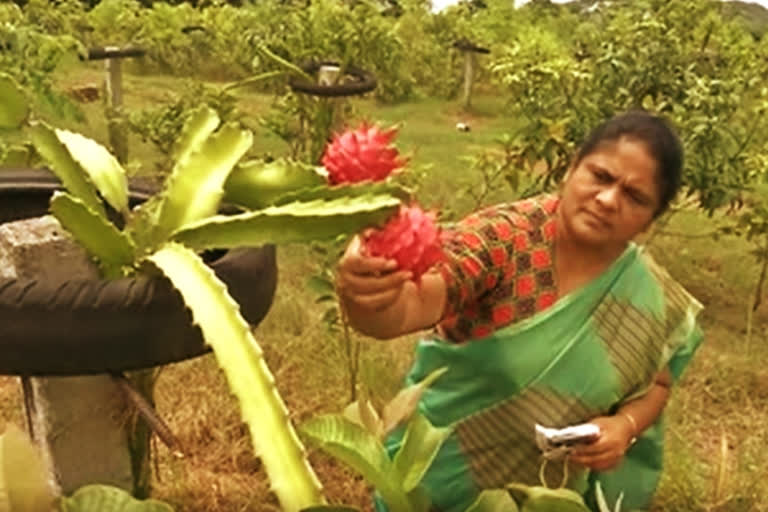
(274,439)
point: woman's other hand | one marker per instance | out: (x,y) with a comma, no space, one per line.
(366,282)
(616,436)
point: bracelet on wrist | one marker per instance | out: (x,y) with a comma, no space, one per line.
(633,423)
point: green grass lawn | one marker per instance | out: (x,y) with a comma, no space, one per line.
(718,417)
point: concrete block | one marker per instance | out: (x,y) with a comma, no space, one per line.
(79,422)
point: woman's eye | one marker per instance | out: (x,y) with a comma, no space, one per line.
(602,177)
(637,199)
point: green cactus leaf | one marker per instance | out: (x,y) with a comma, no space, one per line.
(17,156)
(103,168)
(141,224)
(105,498)
(362,451)
(72,176)
(544,499)
(419,448)
(493,500)
(420,499)
(202,122)
(294,222)
(195,187)
(240,357)
(24,483)
(257,184)
(112,248)
(328,193)
(14,108)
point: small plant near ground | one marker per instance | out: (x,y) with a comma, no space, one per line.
(356,438)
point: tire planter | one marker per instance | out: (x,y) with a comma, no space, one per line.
(113,52)
(362,82)
(465,45)
(96,326)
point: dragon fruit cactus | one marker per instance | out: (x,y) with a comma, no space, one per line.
(411,237)
(363,154)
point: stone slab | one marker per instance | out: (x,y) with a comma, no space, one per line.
(79,422)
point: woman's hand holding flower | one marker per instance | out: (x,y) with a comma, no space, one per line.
(368,282)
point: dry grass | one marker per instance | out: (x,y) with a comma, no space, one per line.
(718,416)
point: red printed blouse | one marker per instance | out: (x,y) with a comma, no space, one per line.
(499,267)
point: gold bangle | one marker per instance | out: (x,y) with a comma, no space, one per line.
(633,422)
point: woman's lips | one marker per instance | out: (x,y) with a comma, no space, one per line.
(598,219)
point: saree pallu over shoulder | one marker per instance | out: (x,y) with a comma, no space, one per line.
(581,358)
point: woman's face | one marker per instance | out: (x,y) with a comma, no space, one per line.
(611,195)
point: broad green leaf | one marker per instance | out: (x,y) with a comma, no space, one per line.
(105,498)
(112,248)
(240,357)
(493,500)
(72,176)
(329,193)
(543,499)
(361,411)
(105,171)
(295,222)
(419,448)
(405,402)
(23,476)
(201,124)
(257,184)
(195,187)
(14,108)
(362,451)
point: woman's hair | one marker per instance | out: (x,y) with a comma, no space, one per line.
(661,140)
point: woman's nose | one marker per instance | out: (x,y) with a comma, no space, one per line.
(608,197)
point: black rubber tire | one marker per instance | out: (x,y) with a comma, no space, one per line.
(109,52)
(364,81)
(465,45)
(95,326)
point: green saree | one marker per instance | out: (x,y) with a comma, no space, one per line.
(591,351)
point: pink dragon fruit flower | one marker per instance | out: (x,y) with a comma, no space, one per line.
(411,237)
(363,154)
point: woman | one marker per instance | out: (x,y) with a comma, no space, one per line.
(546,312)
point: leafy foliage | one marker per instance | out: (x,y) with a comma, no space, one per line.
(104,498)
(355,437)
(30,54)
(682,61)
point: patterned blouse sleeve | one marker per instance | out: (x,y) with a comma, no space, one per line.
(478,256)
